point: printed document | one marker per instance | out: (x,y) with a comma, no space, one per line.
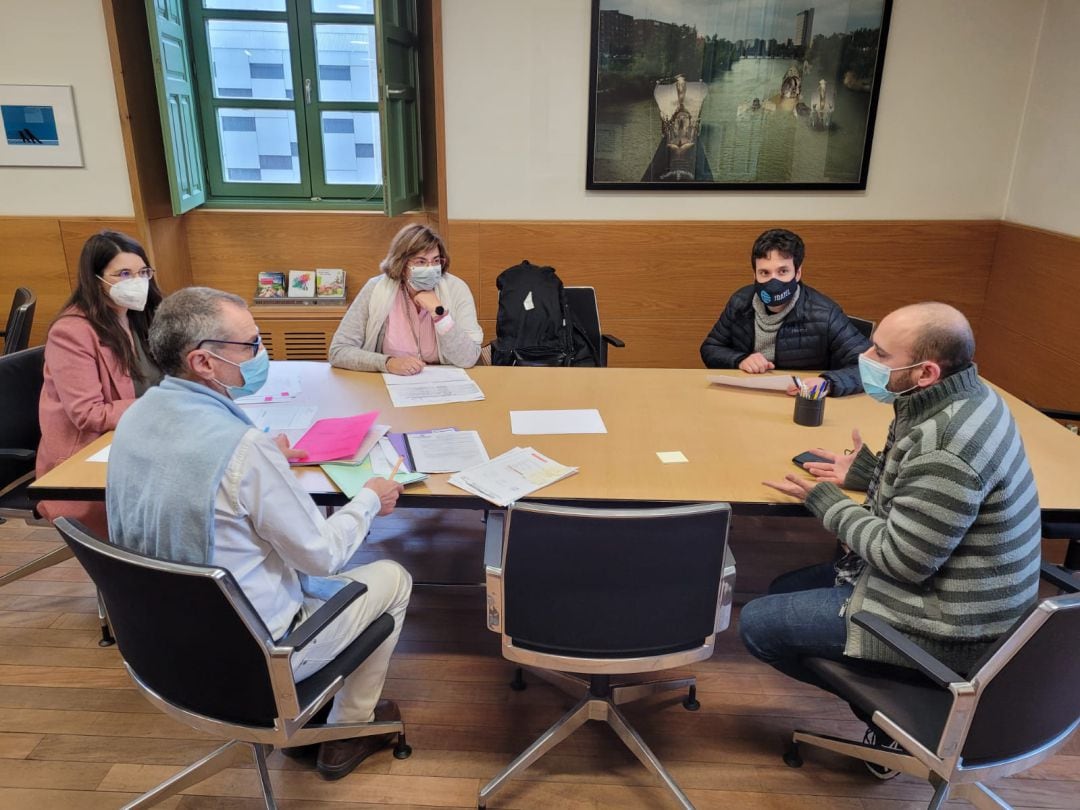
(434,385)
(444,451)
(511,476)
(281,385)
(524,423)
(281,417)
(761,382)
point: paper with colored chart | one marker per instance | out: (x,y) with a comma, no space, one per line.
(334,439)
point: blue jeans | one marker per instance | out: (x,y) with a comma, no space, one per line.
(800,618)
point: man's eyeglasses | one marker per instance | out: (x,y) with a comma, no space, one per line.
(254,344)
(124,275)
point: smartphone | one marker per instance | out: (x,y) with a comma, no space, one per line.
(802,458)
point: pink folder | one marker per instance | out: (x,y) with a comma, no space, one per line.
(335,439)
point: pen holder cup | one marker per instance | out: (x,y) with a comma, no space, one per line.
(809,412)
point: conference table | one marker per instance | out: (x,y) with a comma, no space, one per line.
(733,439)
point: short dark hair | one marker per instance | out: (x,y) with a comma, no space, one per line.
(949,344)
(787,244)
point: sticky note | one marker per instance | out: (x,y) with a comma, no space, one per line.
(672,457)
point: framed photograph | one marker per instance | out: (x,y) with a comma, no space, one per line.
(734,94)
(39,127)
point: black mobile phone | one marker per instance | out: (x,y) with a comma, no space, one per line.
(802,458)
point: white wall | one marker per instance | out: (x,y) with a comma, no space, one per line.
(1045,189)
(64,42)
(516,79)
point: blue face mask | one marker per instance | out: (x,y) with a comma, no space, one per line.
(254,371)
(425,277)
(875,379)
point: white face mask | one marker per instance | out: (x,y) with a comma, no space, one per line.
(130,293)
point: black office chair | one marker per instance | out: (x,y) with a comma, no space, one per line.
(198,651)
(1064,529)
(16,333)
(586,314)
(21,376)
(865,327)
(607,592)
(1017,708)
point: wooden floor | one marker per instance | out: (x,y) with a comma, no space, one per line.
(75,734)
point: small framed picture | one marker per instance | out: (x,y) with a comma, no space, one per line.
(330,283)
(38,127)
(301,284)
(271,285)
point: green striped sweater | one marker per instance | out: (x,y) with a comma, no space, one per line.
(951,532)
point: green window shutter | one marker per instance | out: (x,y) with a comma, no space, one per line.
(399,76)
(177,103)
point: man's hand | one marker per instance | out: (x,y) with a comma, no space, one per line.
(387,491)
(756,364)
(794,485)
(282,441)
(834,470)
(808,382)
(428,300)
(404,366)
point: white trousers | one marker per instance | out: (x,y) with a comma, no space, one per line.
(389,586)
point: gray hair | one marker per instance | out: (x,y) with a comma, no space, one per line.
(183,319)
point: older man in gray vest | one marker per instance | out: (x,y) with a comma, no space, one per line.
(191,479)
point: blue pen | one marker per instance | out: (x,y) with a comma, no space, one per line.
(813,392)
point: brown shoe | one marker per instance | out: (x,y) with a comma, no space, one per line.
(338,758)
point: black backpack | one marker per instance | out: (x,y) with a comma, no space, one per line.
(534,326)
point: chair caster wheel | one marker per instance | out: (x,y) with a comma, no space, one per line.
(690,702)
(402,751)
(518,684)
(792,758)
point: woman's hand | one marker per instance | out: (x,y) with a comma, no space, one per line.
(405,366)
(428,300)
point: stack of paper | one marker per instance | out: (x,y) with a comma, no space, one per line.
(434,385)
(511,476)
(281,385)
(447,450)
(761,382)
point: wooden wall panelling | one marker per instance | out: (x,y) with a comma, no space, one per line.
(1030,330)
(228,249)
(32,255)
(295,331)
(664,283)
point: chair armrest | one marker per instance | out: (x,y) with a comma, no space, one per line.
(17,454)
(303,633)
(1060,578)
(920,658)
(614,341)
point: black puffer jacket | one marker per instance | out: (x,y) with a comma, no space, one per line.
(816,334)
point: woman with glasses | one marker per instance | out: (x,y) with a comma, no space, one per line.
(414,314)
(96,361)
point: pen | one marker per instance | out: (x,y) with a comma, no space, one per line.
(813,393)
(397,467)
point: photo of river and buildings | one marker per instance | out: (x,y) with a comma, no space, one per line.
(756,93)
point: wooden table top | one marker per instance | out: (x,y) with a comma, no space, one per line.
(733,439)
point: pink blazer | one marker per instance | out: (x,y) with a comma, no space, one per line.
(86,390)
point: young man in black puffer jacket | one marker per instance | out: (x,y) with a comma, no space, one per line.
(778,322)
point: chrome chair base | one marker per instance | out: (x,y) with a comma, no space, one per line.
(601,702)
(976,793)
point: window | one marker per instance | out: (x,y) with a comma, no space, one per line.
(289,100)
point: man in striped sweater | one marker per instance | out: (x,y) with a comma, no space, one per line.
(946,546)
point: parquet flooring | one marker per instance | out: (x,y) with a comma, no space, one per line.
(75,734)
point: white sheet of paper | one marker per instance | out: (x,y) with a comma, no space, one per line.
(282,417)
(672,457)
(281,386)
(761,382)
(408,396)
(511,476)
(527,423)
(101,455)
(427,375)
(443,451)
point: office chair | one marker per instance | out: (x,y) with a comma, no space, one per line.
(1016,709)
(21,378)
(865,327)
(199,652)
(1069,529)
(586,313)
(16,333)
(606,592)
